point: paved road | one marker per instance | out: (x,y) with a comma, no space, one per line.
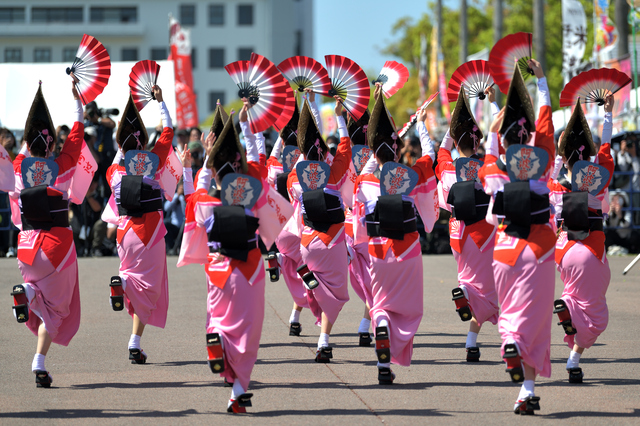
(94,382)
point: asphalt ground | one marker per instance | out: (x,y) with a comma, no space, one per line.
(94,382)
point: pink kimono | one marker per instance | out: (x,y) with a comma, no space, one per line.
(523,268)
(583,265)
(235,289)
(47,259)
(395,266)
(324,253)
(472,247)
(141,247)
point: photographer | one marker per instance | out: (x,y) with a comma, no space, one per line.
(104,147)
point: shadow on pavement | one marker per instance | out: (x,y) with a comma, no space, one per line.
(97,413)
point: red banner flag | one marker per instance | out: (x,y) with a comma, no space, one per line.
(186,106)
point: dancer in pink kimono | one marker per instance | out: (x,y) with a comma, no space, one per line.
(385,208)
(523,254)
(359,253)
(142,284)
(288,258)
(49,299)
(318,221)
(580,252)
(233,266)
(472,238)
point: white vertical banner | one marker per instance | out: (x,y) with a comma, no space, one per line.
(574,38)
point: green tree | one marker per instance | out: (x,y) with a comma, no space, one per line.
(518,16)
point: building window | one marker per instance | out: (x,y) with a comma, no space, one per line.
(13,54)
(159,53)
(42,54)
(216,14)
(244,53)
(216,58)
(194,58)
(245,14)
(56,14)
(188,15)
(69,54)
(213,99)
(129,53)
(11,14)
(114,14)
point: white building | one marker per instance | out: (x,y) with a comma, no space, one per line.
(222,31)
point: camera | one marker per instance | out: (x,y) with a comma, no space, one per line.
(101,112)
(93,110)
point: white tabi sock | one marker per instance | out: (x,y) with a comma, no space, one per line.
(574,360)
(236,390)
(364,325)
(472,340)
(383,323)
(38,362)
(295,317)
(323,340)
(527,389)
(134,342)
(384,365)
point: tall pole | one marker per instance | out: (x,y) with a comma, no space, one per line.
(497,30)
(622,15)
(497,20)
(462,57)
(439,21)
(538,33)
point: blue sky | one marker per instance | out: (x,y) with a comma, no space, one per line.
(358,29)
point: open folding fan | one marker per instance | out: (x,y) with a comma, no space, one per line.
(92,67)
(392,76)
(144,75)
(306,73)
(593,86)
(260,81)
(474,76)
(350,83)
(509,50)
(414,117)
(288,111)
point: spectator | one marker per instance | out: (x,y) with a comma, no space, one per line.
(332,143)
(84,216)
(8,141)
(61,132)
(103,145)
(174,218)
(620,234)
(183,139)
(628,161)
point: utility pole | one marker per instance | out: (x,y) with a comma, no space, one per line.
(464,37)
(439,21)
(497,20)
(538,33)
(622,15)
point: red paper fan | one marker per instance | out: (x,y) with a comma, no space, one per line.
(288,111)
(593,86)
(350,83)
(414,117)
(92,66)
(144,75)
(305,73)
(392,76)
(474,76)
(260,81)
(505,53)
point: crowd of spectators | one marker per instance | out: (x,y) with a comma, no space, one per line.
(94,237)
